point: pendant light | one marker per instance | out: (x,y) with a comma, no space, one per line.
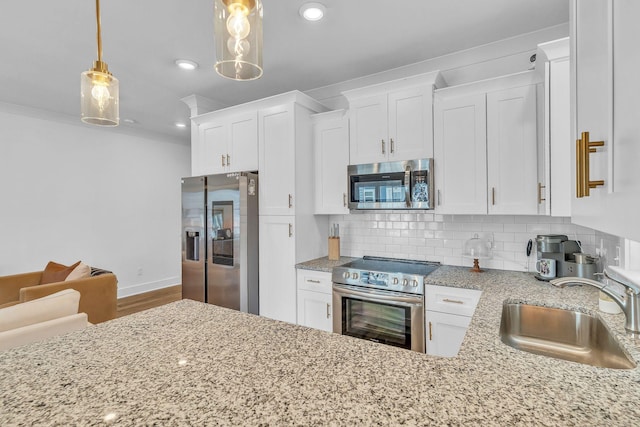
(99,95)
(238,38)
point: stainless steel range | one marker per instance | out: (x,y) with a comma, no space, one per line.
(382,300)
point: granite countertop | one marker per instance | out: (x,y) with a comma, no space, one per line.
(324,263)
(190,363)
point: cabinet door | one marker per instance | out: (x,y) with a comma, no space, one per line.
(460,155)
(243,137)
(410,124)
(331,148)
(277,268)
(277,161)
(512,171)
(314,310)
(368,130)
(214,137)
(445,333)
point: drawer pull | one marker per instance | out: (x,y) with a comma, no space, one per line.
(328,310)
(430,332)
(454,301)
(290,230)
(290,201)
(313,281)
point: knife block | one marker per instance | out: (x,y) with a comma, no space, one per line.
(334,248)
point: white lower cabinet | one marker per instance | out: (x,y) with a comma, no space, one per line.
(448,313)
(314,299)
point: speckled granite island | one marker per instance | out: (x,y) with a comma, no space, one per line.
(189,363)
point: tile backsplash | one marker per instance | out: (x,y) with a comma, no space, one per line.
(428,236)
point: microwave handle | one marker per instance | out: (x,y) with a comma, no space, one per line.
(407,185)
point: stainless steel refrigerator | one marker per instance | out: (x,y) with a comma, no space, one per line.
(220,240)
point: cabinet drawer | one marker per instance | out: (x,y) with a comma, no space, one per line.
(316,281)
(451,300)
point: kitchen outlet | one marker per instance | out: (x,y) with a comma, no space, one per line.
(139,271)
(570,269)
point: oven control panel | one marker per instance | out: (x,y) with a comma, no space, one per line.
(407,283)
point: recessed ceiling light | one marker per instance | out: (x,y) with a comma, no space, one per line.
(185,64)
(181,125)
(312,11)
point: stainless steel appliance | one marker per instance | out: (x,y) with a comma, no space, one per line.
(220,240)
(568,255)
(391,185)
(382,300)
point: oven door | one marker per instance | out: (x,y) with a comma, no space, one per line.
(387,317)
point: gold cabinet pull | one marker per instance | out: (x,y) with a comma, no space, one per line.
(584,148)
(328,310)
(382,141)
(290,201)
(455,301)
(392,146)
(223,165)
(430,332)
(290,229)
(228,160)
(540,187)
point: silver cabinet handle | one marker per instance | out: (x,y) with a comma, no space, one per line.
(344,199)
(455,301)
(328,311)
(228,160)
(223,165)
(392,146)
(313,281)
(493,195)
(290,201)
(439,198)
(382,140)
(290,230)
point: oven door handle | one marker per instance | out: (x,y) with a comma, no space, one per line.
(373,295)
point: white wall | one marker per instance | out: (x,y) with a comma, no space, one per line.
(70,192)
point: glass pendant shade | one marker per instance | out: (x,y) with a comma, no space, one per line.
(99,97)
(238,38)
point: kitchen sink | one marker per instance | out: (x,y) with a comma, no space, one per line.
(562,334)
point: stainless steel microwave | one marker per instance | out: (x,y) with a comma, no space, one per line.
(391,185)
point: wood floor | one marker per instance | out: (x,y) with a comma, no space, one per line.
(147,300)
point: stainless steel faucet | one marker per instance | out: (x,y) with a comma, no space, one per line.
(630,302)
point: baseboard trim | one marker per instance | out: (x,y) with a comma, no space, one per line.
(146,287)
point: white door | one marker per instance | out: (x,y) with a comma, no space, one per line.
(410,124)
(243,137)
(277,268)
(512,170)
(369,130)
(460,155)
(314,310)
(277,161)
(445,333)
(214,137)
(331,148)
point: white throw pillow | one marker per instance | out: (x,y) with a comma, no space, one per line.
(60,304)
(82,271)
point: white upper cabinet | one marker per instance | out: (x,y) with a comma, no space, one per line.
(392,121)
(512,171)
(485,147)
(226,143)
(604,103)
(331,152)
(554,65)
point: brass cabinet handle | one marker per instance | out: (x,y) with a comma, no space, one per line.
(584,148)
(290,229)
(540,187)
(328,310)
(223,165)
(430,332)
(228,160)
(344,199)
(313,281)
(290,201)
(455,301)
(382,140)
(493,195)
(392,146)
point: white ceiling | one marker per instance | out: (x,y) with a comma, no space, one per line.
(46,45)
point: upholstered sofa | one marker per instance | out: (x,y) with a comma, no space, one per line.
(98,294)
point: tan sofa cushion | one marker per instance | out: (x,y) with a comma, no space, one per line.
(59,304)
(82,271)
(55,272)
(43,330)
